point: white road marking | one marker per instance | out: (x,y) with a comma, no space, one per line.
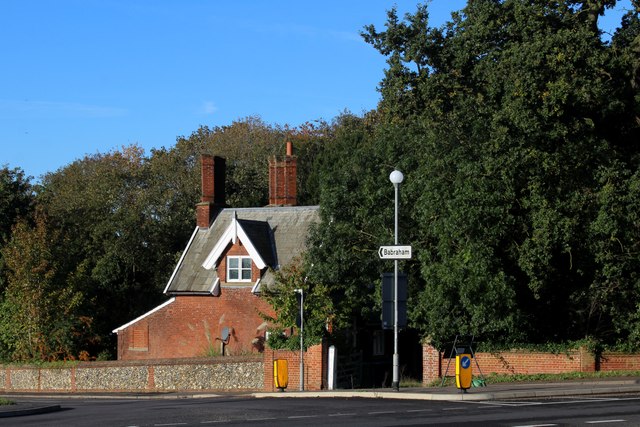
(556,402)
(605,421)
(381,412)
(293,417)
(350,414)
(498,403)
(538,425)
(420,410)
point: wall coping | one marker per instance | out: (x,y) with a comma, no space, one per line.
(141,362)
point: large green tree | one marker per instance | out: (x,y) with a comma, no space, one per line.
(518,129)
(40,315)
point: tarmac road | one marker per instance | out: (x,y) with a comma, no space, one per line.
(607,402)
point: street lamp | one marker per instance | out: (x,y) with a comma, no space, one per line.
(300,291)
(396,178)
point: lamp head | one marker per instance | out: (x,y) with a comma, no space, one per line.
(396,177)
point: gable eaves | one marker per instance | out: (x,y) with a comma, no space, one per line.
(175,270)
(231,235)
(148,313)
(256,287)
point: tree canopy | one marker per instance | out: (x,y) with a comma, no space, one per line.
(516,127)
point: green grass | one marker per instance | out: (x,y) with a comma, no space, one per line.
(409,382)
(4,402)
(502,378)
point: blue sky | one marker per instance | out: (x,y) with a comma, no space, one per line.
(86,76)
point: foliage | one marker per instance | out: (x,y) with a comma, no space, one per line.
(283,296)
(519,190)
(122,219)
(39,314)
(4,402)
(16,201)
(548,347)
(516,128)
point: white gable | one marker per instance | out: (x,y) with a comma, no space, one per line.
(231,235)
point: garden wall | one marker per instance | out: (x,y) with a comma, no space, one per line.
(219,374)
(315,368)
(434,363)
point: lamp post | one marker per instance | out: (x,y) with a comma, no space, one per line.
(396,178)
(300,291)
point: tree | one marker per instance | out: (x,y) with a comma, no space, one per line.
(39,313)
(505,115)
(283,297)
(16,201)
(100,207)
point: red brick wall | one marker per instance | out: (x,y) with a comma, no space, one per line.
(619,362)
(315,366)
(430,364)
(189,326)
(434,365)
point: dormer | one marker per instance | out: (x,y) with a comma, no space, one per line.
(242,254)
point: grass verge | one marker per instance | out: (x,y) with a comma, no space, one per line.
(502,378)
(4,402)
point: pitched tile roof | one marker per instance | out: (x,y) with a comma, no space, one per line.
(277,233)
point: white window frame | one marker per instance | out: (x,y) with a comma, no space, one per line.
(239,269)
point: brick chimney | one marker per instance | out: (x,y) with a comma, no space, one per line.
(282,179)
(213,191)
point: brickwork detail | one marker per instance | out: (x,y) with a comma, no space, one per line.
(192,326)
(282,181)
(513,362)
(315,368)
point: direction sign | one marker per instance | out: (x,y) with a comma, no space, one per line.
(394,252)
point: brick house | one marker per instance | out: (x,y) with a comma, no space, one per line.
(214,302)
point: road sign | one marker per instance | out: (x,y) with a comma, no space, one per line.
(394,252)
(388,299)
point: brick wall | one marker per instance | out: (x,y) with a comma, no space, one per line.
(619,362)
(315,368)
(434,365)
(189,326)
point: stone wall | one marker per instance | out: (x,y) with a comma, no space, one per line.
(211,374)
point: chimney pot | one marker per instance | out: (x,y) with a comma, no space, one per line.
(212,173)
(282,179)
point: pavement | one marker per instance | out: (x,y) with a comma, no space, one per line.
(27,404)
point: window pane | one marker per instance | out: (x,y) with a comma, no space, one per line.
(246,274)
(233,275)
(233,262)
(246,262)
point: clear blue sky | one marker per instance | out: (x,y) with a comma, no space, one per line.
(86,76)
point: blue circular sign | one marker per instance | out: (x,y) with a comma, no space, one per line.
(465,362)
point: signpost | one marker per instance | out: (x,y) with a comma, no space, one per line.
(394,252)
